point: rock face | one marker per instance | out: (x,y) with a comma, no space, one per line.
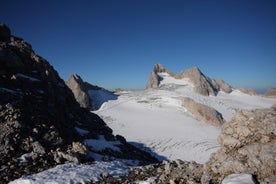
(39,115)
(220,85)
(79,89)
(154,78)
(271,92)
(248,145)
(202,83)
(203,113)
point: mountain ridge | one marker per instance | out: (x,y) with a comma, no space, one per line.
(203,84)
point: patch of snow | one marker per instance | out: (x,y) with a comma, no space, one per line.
(100,97)
(102,144)
(75,173)
(24,158)
(238,179)
(82,132)
(148,181)
(20,75)
(167,79)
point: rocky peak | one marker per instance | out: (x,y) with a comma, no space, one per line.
(154,78)
(202,83)
(76,84)
(159,68)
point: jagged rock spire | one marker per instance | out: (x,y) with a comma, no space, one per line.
(154,78)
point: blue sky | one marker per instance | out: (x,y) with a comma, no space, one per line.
(115,43)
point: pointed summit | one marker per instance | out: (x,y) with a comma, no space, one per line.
(158,68)
(76,84)
(154,78)
(203,84)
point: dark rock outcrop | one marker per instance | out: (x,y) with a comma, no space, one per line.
(39,115)
(202,83)
(5,33)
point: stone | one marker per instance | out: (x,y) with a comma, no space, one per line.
(38,148)
(202,112)
(80,148)
(250,146)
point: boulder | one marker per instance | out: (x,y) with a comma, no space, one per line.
(202,112)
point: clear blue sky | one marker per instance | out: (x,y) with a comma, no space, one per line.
(115,43)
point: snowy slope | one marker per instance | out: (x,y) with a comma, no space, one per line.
(156,119)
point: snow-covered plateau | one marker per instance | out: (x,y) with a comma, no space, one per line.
(156,121)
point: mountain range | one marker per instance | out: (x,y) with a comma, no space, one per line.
(183,128)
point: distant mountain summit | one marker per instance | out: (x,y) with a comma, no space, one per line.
(202,84)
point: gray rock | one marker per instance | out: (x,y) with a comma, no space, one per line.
(154,78)
(271,92)
(203,113)
(38,148)
(248,145)
(76,84)
(220,85)
(203,84)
